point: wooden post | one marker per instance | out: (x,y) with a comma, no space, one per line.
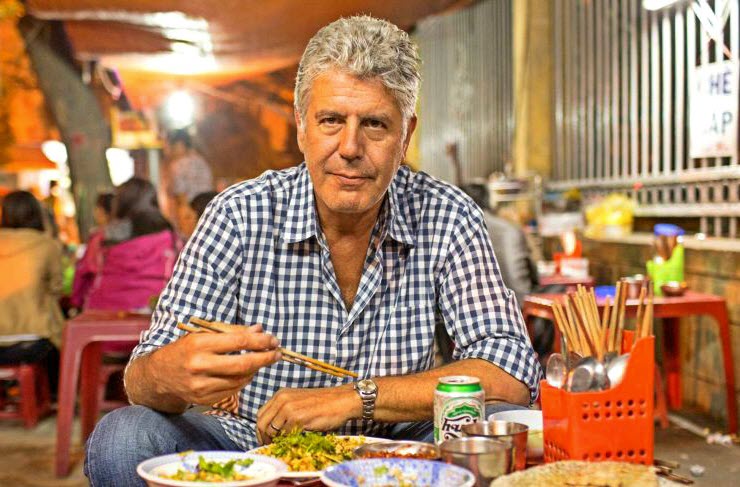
(76,113)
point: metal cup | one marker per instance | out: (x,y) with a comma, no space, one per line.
(487,458)
(514,434)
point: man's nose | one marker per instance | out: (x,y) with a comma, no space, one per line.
(350,144)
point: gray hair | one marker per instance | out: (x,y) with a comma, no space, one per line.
(364,47)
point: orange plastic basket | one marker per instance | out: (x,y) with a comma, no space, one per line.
(615,424)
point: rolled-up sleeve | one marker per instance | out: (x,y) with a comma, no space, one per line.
(202,282)
(480,313)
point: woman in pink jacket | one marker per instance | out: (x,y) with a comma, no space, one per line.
(132,260)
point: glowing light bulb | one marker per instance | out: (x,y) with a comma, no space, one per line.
(180,108)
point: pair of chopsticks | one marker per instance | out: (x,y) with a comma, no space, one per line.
(587,334)
(644,323)
(198,325)
(578,320)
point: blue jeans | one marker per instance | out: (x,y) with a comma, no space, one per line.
(128,436)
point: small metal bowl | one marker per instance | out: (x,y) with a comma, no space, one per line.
(515,434)
(674,288)
(398,449)
(487,458)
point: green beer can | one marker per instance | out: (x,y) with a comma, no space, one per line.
(458,400)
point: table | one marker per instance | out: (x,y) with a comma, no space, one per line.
(81,351)
(670,309)
(559,279)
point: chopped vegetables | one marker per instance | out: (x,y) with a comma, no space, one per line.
(214,471)
(308,451)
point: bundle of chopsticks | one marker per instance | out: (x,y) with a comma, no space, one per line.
(197,325)
(587,334)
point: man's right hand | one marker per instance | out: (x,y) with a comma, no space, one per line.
(198,369)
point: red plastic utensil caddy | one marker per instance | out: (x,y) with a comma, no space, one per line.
(615,424)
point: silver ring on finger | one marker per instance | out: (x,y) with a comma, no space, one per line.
(277,430)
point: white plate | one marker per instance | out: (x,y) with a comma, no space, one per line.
(315,473)
(267,470)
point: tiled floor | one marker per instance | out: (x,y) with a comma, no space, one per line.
(26,457)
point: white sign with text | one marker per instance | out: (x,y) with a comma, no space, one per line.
(714,107)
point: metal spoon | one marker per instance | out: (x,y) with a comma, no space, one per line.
(573,360)
(556,371)
(601,378)
(616,369)
(609,357)
(589,375)
(581,377)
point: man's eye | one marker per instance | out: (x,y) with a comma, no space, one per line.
(375,124)
(329,120)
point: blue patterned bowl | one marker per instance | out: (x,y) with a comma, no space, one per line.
(396,472)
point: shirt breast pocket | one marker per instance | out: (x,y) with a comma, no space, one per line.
(408,345)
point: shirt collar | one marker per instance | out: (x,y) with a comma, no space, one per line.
(399,228)
(301,220)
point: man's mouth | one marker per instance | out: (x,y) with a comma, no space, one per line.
(350,179)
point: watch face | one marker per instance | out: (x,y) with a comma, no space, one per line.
(367,386)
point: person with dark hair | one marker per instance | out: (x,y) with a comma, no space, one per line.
(185,175)
(85,268)
(31,261)
(21,209)
(190,214)
(133,256)
(103,211)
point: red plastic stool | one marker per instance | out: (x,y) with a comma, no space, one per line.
(34,401)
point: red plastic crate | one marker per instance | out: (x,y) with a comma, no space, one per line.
(616,424)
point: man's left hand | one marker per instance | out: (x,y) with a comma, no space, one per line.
(323,409)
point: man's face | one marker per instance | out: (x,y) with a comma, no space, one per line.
(353,140)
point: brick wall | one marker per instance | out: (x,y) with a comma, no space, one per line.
(710,271)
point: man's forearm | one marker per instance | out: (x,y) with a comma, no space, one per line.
(411,397)
(141,388)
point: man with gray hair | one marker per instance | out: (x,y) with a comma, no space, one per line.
(349,258)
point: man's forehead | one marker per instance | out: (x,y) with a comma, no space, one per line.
(336,90)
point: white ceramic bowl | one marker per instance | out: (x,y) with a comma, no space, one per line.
(266,471)
(533,419)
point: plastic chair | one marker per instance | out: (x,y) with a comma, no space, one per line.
(34,401)
(81,363)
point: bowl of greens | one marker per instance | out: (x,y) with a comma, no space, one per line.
(211,468)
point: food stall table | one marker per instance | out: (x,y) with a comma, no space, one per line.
(570,281)
(81,353)
(670,309)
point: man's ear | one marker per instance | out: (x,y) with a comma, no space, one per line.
(409,132)
(300,130)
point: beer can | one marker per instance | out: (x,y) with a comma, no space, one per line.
(458,400)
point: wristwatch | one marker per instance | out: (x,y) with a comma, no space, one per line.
(368,391)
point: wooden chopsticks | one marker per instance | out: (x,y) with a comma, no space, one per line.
(587,334)
(203,326)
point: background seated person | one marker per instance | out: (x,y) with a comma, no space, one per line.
(31,261)
(87,265)
(346,258)
(137,255)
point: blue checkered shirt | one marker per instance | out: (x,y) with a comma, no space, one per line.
(259,256)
